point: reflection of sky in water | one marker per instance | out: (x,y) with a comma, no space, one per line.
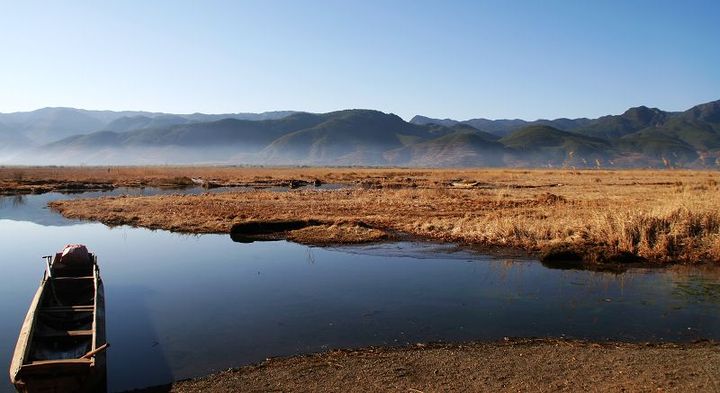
(180,305)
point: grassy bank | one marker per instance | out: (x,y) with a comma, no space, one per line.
(510,366)
(593,216)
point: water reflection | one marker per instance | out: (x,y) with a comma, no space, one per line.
(17,201)
(180,306)
(697,289)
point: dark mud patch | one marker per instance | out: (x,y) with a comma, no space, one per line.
(589,257)
(310,232)
(250,231)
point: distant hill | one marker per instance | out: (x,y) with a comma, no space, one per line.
(44,125)
(461,148)
(47,125)
(545,144)
(698,127)
(423,121)
(246,134)
(347,137)
(504,127)
(129,123)
(11,138)
(633,120)
(350,137)
(639,137)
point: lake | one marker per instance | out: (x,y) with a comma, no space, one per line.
(180,306)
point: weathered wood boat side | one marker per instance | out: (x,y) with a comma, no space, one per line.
(62,340)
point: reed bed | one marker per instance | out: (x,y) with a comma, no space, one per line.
(597,216)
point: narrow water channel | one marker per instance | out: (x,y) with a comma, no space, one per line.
(180,306)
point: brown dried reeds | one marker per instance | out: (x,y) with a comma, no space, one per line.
(601,216)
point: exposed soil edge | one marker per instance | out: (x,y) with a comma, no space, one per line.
(378,353)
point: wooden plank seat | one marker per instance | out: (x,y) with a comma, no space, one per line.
(64,333)
(84,308)
(38,363)
(73,278)
(49,367)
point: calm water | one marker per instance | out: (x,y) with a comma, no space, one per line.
(180,306)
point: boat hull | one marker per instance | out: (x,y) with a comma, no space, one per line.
(48,357)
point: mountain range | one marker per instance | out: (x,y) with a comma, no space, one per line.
(51,124)
(639,137)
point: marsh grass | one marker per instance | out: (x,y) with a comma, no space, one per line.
(658,216)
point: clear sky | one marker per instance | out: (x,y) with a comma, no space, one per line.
(457,59)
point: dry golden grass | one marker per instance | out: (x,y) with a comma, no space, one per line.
(25,178)
(119,176)
(600,216)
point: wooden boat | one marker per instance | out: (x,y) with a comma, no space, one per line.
(62,341)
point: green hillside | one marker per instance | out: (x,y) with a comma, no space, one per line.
(698,128)
(347,137)
(462,148)
(658,146)
(539,145)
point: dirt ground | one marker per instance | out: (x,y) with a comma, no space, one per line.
(511,366)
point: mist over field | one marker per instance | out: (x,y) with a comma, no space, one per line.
(640,137)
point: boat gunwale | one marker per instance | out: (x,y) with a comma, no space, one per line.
(28,330)
(96,278)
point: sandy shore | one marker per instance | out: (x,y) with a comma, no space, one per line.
(511,366)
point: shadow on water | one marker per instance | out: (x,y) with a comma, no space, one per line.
(137,356)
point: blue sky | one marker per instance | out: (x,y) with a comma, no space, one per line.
(458,59)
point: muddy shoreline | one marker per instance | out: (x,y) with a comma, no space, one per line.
(537,365)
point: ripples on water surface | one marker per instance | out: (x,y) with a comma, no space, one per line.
(180,306)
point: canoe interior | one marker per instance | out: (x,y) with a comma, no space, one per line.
(67,322)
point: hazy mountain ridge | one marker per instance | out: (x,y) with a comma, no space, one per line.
(456,149)
(349,137)
(48,125)
(536,143)
(639,137)
(502,127)
(11,139)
